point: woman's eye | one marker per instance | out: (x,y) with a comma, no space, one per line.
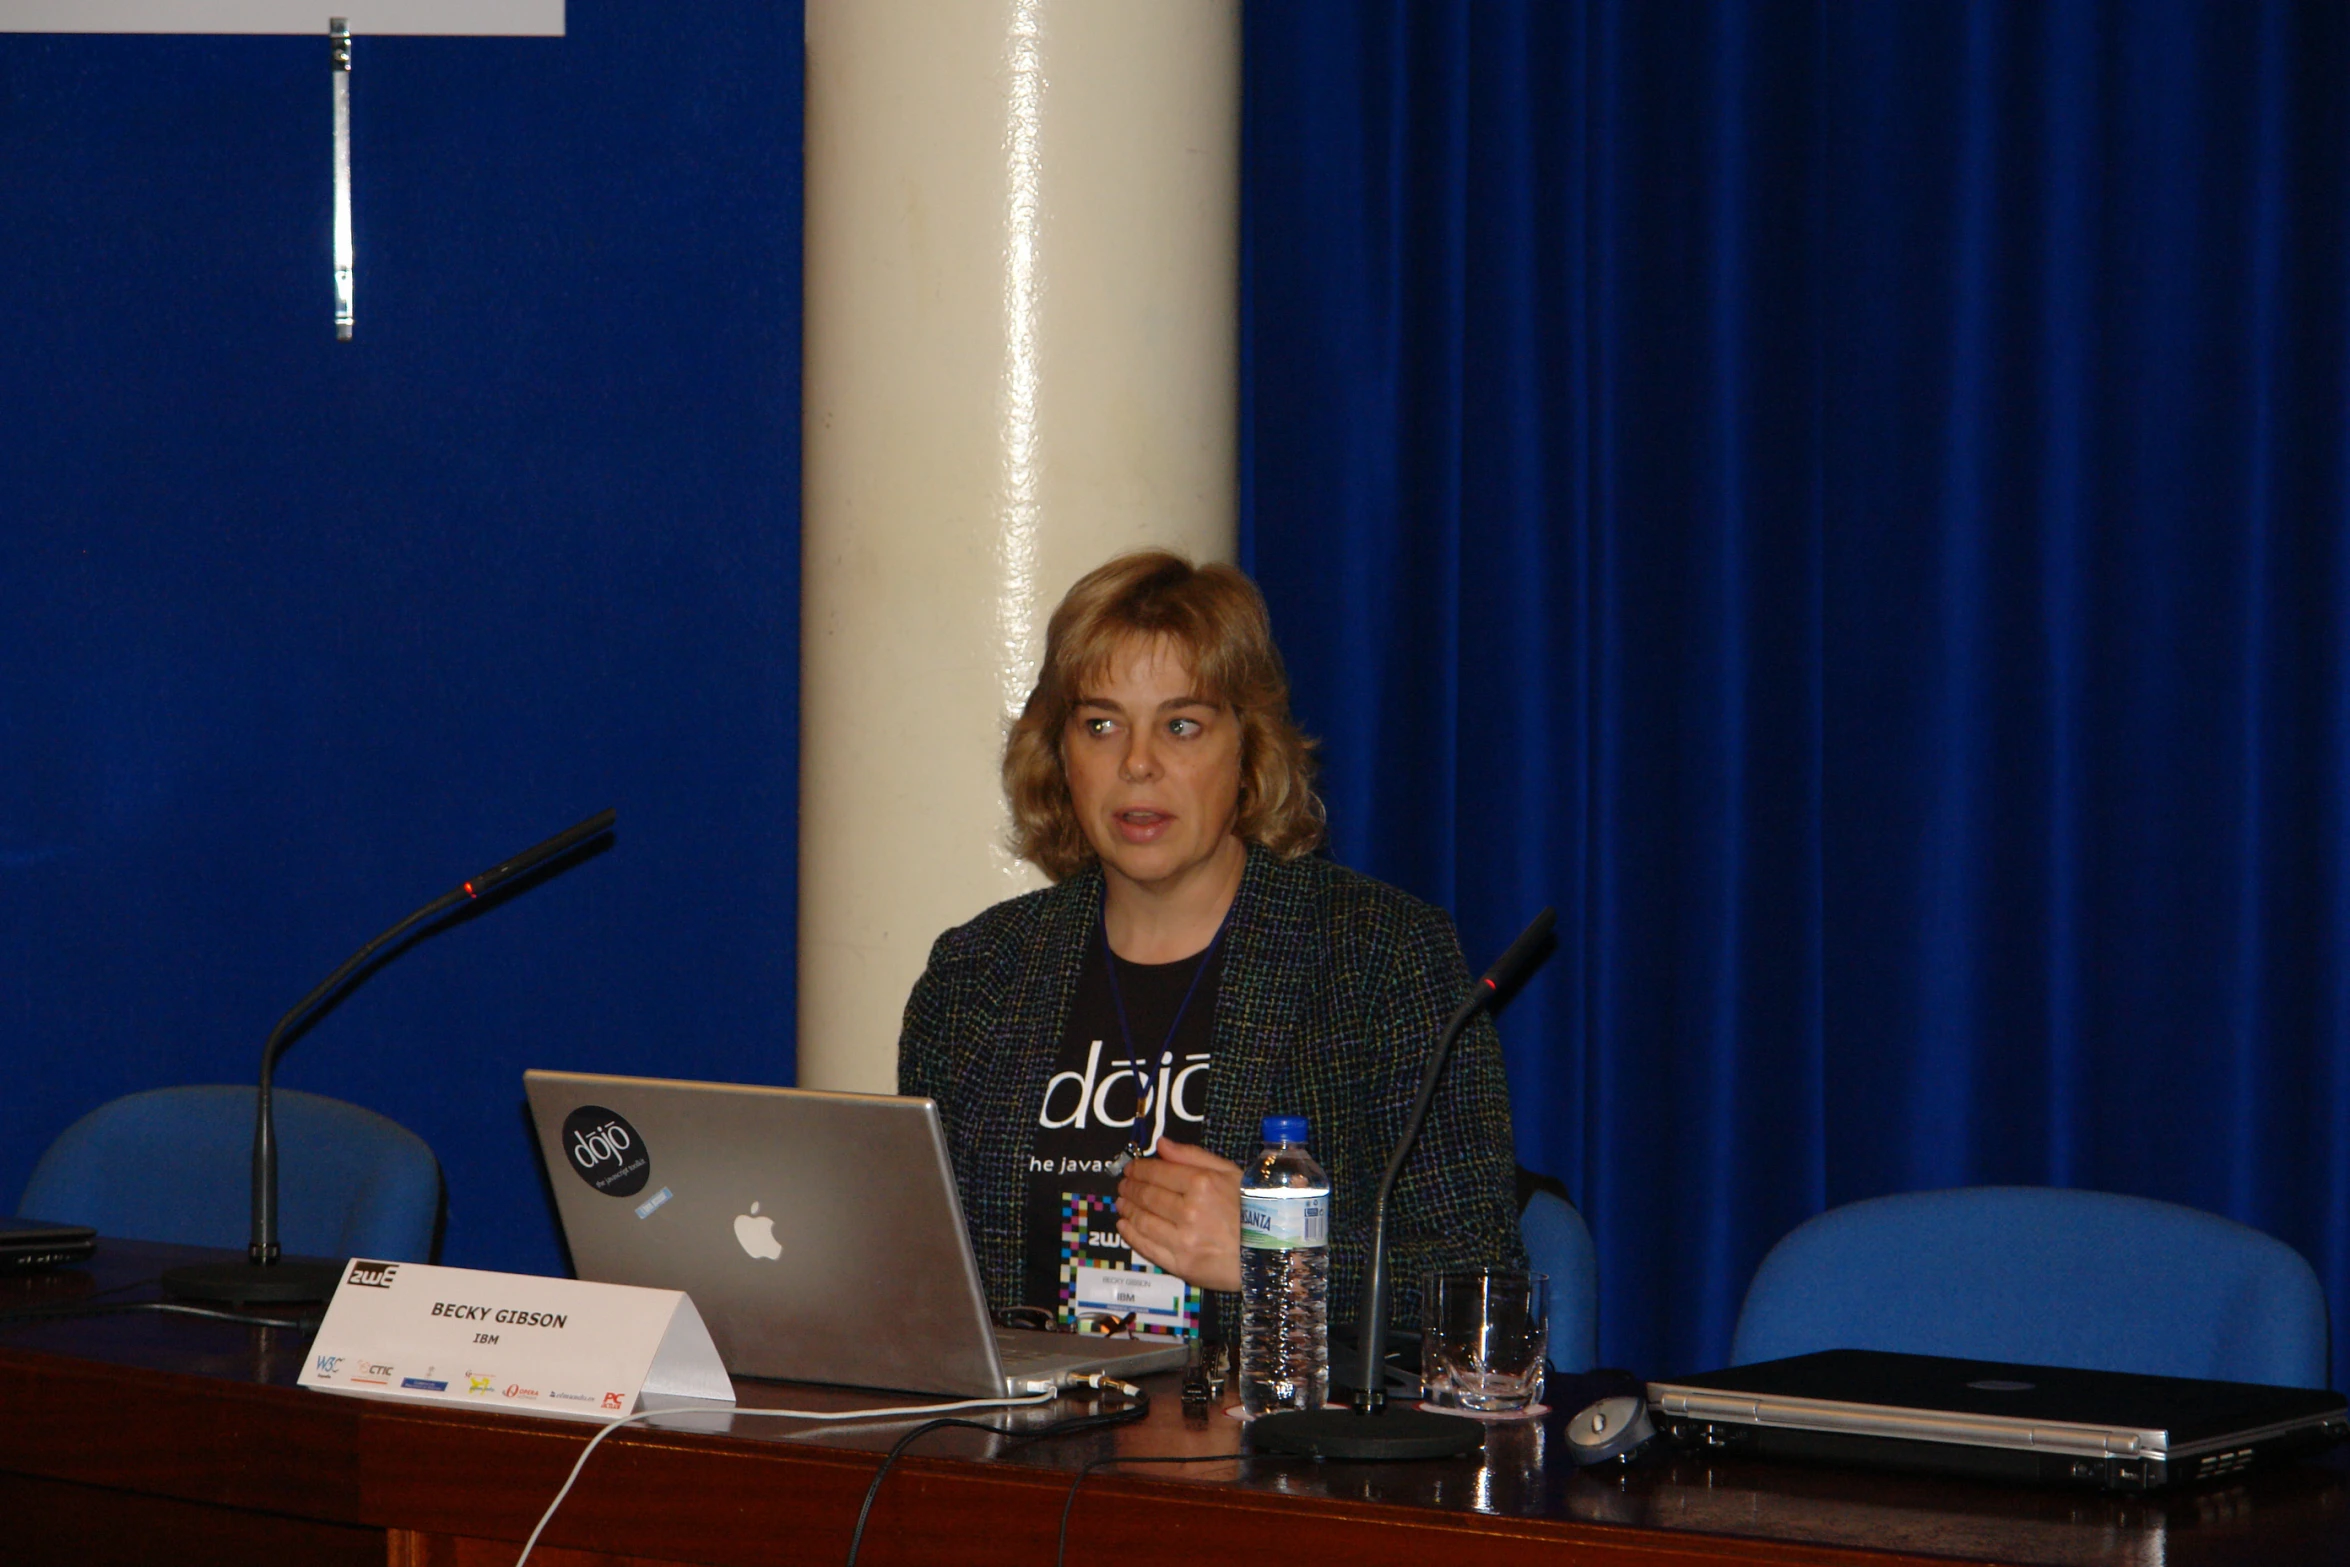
(1185,727)
(1097,726)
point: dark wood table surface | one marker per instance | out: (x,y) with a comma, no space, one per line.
(137,1436)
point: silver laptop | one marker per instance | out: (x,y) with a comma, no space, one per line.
(2111,1430)
(819,1234)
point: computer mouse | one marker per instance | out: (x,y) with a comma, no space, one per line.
(1614,1430)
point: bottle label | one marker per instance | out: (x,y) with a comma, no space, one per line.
(1286,1219)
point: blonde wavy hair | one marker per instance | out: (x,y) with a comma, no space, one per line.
(1212,616)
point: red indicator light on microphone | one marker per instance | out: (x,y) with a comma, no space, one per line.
(469,892)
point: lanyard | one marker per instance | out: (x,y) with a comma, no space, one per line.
(1135,1064)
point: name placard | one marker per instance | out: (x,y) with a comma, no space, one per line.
(513,1341)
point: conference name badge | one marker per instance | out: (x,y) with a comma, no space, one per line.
(1155,1300)
(513,1341)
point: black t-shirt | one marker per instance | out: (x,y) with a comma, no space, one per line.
(1089,1116)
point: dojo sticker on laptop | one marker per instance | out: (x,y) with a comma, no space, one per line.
(606,1152)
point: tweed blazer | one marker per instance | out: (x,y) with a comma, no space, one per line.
(1333,990)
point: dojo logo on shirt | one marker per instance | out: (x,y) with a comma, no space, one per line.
(605,1151)
(1112,1093)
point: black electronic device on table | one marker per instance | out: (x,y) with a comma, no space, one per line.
(28,1245)
(2111,1430)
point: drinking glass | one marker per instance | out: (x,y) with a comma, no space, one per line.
(1483,1335)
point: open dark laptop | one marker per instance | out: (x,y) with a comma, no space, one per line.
(2046,1424)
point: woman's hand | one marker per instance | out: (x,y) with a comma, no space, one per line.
(1180,1209)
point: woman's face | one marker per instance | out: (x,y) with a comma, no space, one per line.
(1153,769)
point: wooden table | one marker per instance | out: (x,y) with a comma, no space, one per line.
(142,1437)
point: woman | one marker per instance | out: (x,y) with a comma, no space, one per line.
(1192,970)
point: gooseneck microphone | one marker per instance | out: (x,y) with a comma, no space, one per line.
(266,1276)
(1369,1428)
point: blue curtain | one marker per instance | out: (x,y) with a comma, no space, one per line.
(295,634)
(1847,501)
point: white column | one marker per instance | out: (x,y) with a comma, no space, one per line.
(1021,347)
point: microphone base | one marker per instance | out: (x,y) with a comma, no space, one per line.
(287,1282)
(1395,1433)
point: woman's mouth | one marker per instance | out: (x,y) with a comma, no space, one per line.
(1141,825)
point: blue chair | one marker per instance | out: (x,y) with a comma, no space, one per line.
(2042,1276)
(176,1164)
(1557,1243)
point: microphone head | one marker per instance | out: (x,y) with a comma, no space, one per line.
(539,854)
(1524,955)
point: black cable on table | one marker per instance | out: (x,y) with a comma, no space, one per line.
(111,1289)
(1124,1415)
(857,1535)
(116,1289)
(66,1310)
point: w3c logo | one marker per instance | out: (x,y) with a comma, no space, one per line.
(605,1151)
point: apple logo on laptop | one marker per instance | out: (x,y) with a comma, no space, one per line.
(756,1234)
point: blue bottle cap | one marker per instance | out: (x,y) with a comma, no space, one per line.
(1285,1129)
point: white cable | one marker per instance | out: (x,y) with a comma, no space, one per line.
(909,1411)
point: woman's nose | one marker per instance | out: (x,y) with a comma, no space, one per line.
(1140,761)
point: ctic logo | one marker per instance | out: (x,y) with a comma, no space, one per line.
(329,1364)
(376,1275)
(612,1401)
(605,1151)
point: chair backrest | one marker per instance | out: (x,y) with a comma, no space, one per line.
(2042,1276)
(175,1164)
(1558,1243)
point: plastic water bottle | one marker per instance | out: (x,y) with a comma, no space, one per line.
(1284,1274)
